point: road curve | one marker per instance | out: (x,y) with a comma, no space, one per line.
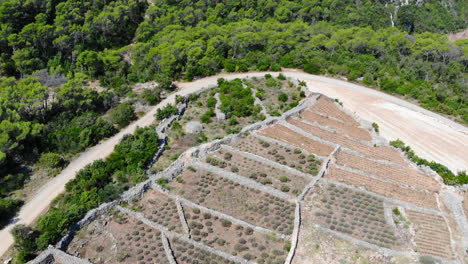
(430,135)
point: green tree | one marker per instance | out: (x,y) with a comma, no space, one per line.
(123,114)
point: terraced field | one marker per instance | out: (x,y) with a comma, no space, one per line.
(309,187)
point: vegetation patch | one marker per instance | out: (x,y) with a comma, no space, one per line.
(447,175)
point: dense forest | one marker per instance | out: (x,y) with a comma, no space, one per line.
(51,49)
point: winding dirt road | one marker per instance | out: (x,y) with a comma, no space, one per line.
(430,135)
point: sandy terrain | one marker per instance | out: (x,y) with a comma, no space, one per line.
(431,136)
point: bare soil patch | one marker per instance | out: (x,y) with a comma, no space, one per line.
(159,208)
(293,158)
(392,190)
(406,176)
(221,194)
(432,235)
(352,213)
(118,238)
(340,127)
(284,134)
(237,240)
(186,253)
(329,108)
(377,152)
(258,171)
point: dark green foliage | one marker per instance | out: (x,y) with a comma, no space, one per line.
(24,237)
(50,160)
(211,102)
(123,114)
(282,97)
(166,111)
(206,117)
(235,99)
(72,136)
(8,208)
(151,96)
(447,175)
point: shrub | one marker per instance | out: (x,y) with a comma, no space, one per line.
(267,181)
(285,188)
(151,96)
(227,156)
(179,99)
(449,177)
(283,179)
(122,115)
(297,151)
(282,97)
(206,117)
(376,127)
(166,112)
(226,223)
(281,77)
(50,160)
(233,121)
(211,102)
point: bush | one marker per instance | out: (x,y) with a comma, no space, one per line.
(166,112)
(283,179)
(282,97)
(447,175)
(285,188)
(151,96)
(8,208)
(122,115)
(50,161)
(206,117)
(227,156)
(211,102)
(312,68)
(267,181)
(376,127)
(226,223)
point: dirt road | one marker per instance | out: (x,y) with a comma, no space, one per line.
(431,136)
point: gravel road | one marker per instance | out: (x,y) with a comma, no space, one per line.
(430,135)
